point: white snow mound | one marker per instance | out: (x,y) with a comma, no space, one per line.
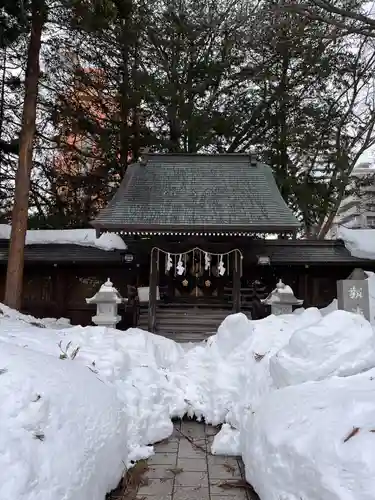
(263,380)
(7,312)
(63,432)
(297,445)
(227,441)
(341,343)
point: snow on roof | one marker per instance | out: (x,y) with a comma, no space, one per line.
(359,242)
(81,237)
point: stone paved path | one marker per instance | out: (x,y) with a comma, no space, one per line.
(183,468)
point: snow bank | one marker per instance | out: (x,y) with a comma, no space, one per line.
(341,343)
(63,432)
(284,434)
(297,444)
(286,389)
(359,242)
(54,323)
(81,237)
(135,363)
(217,381)
(130,386)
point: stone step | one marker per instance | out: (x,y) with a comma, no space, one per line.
(188,310)
(193,312)
(182,317)
(181,329)
(186,339)
(185,324)
(187,320)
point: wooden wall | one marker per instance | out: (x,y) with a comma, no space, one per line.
(60,291)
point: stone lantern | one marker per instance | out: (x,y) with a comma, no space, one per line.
(282,299)
(107,300)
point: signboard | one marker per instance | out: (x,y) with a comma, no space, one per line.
(353,296)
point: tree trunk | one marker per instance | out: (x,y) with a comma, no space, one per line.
(125,11)
(14,280)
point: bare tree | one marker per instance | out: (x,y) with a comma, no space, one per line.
(346,15)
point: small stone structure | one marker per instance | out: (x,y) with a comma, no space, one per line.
(282,299)
(107,300)
(353,294)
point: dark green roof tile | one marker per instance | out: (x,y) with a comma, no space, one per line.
(64,253)
(197,192)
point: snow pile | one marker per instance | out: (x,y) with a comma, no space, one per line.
(314,441)
(288,389)
(342,344)
(135,363)
(107,390)
(7,312)
(63,432)
(219,380)
(81,237)
(227,441)
(313,438)
(359,242)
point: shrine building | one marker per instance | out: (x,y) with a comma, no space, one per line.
(196,216)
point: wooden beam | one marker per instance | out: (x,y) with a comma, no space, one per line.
(237,283)
(153,289)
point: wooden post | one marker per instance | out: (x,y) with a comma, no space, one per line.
(237,282)
(59,292)
(306,294)
(153,288)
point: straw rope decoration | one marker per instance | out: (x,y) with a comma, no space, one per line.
(183,256)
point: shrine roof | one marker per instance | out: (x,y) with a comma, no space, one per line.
(194,192)
(65,254)
(280,252)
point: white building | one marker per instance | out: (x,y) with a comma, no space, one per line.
(357,211)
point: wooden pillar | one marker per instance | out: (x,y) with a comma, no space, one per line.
(236,292)
(153,288)
(59,291)
(306,289)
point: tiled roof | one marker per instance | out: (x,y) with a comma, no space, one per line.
(198,192)
(304,251)
(300,252)
(60,253)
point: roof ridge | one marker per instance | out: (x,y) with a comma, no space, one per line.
(198,154)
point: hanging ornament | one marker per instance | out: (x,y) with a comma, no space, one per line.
(168,263)
(180,266)
(185,282)
(221,268)
(207,261)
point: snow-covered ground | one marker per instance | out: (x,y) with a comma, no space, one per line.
(296,394)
